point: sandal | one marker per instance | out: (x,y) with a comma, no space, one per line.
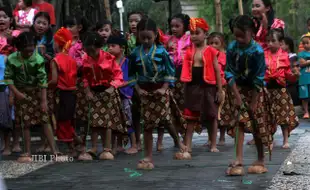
(25,158)
(183,154)
(235,170)
(106,155)
(145,164)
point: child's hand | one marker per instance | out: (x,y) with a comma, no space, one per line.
(219,97)
(42,49)
(89,96)
(110,90)
(20,96)
(296,71)
(161,91)
(253,107)
(44,107)
(238,101)
(142,92)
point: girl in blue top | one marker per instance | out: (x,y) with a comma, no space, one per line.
(304,79)
(152,72)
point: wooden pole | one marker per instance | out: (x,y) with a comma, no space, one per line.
(107,9)
(219,20)
(240,5)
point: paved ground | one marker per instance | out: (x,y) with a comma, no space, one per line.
(205,171)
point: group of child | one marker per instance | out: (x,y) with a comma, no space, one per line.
(113,85)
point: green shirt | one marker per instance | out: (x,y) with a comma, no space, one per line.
(131,42)
(105,48)
(26,72)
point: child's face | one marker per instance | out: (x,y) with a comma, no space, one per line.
(177,27)
(306,43)
(273,43)
(41,25)
(285,47)
(74,29)
(147,38)
(105,32)
(216,43)
(5,21)
(28,51)
(21,4)
(92,51)
(198,37)
(133,20)
(115,49)
(243,37)
(308,26)
(259,8)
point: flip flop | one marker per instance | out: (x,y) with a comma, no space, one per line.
(145,165)
(235,170)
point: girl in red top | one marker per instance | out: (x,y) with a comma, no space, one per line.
(203,90)
(217,40)
(102,76)
(64,75)
(278,73)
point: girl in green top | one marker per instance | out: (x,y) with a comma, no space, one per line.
(26,77)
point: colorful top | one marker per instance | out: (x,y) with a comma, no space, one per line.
(26,18)
(2,69)
(262,32)
(278,67)
(76,52)
(208,56)
(177,48)
(105,47)
(67,72)
(221,58)
(5,48)
(46,7)
(152,67)
(245,66)
(102,72)
(132,42)
(126,91)
(26,72)
(304,78)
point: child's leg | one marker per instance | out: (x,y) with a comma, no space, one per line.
(147,162)
(160,132)
(285,137)
(7,139)
(213,135)
(50,138)
(189,135)
(305,108)
(94,140)
(27,140)
(259,165)
(16,137)
(106,154)
(120,147)
(222,136)
(174,134)
(133,149)
(137,127)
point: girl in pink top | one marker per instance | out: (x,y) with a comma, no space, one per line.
(24,17)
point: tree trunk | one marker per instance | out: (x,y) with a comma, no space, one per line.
(240,5)
(107,9)
(67,8)
(219,20)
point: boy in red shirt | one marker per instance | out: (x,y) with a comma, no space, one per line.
(64,77)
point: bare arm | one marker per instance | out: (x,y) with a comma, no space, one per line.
(54,74)
(217,74)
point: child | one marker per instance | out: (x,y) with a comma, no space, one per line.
(64,77)
(117,46)
(151,71)
(217,40)
(102,76)
(78,27)
(301,47)
(304,80)
(104,29)
(24,17)
(5,110)
(133,19)
(25,72)
(277,73)
(245,71)
(203,88)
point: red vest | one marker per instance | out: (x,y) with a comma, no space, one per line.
(208,56)
(67,72)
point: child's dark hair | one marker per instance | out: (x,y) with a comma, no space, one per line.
(23,40)
(49,32)
(28,3)
(8,11)
(118,38)
(290,42)
(101,24)
(142,15)
(148,24)
(92,39)
(245,23)
(77,20)
(217,35)
(185,20)
(278,32)
(270,13)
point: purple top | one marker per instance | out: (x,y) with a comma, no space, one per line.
(126,91)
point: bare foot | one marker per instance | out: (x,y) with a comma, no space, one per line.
(251,142)
(131,150)
(286,146)
(221,143)
(145,164)
(6,152)
(306,116)
(214,150)
(258,163)
(16,148)
(160,147)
